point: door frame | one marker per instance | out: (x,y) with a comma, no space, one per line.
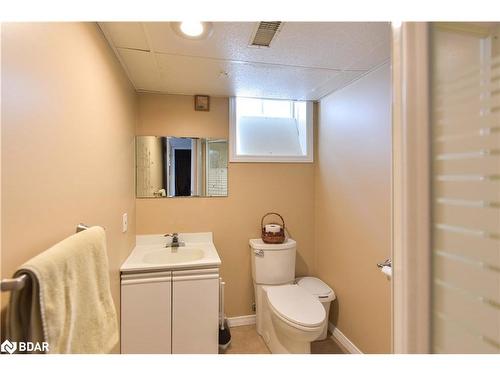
(411,293)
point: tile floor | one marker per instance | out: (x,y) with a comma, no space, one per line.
(246,340)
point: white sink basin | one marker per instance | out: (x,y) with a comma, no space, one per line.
(182,254)
(151,253)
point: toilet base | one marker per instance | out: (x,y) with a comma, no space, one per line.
(280,337)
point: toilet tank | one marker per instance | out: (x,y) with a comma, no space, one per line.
(273,263)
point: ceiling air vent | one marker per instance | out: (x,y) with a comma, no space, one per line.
(265,33)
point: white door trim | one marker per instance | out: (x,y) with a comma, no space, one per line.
(411,189)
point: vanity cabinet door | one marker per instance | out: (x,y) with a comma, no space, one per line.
(195,311)
(146,324)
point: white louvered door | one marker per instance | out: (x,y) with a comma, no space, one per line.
(465,188)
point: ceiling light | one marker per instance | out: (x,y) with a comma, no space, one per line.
(192,29)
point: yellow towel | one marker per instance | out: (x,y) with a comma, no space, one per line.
(67,300)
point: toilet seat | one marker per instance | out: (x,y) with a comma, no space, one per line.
(295,305)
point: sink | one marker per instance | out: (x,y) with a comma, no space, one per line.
(168,255)
(150,253)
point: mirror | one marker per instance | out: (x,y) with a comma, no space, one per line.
(180,167)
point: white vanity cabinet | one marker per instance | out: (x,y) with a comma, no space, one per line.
(146,305)
(170,312)
(195,311)
(170,295)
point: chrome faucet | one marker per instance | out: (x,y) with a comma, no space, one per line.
(175,240)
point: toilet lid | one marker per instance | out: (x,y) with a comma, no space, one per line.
(316,287)
(297,305)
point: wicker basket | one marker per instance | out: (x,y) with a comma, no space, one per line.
(273,238)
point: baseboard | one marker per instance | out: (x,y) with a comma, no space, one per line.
(342,340)
(244,320)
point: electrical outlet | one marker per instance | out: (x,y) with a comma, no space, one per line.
(124,222)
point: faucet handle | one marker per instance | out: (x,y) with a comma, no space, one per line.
(171,234)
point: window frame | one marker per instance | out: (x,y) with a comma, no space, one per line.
(235,158)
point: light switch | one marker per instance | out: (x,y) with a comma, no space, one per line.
(124,222)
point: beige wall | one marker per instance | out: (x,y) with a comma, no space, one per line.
(254,189)
(353,207)
(68,123)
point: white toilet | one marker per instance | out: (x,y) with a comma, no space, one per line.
(289,315)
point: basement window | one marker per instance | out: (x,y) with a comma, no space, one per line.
(269,130)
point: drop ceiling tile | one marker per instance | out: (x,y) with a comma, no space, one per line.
(191,75)
(340,80)
(142,69)
(126,34)
(331,44)
(229,40)
(374,56)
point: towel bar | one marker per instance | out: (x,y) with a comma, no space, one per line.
(13,284)
(81,227)
(19,282)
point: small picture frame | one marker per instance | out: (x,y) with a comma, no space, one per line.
(202,103)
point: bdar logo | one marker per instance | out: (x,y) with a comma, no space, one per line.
(8,347)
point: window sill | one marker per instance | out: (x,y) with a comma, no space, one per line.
(272,159)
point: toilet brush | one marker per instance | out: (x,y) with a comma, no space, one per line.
(224,332)
(224,336)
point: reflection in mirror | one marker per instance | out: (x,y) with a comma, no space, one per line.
(216,167)
(180,167)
